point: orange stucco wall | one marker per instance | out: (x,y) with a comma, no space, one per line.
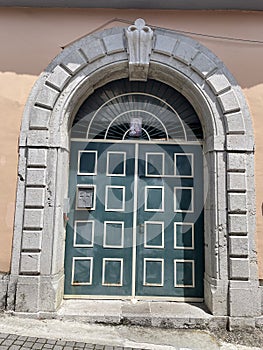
(30,38)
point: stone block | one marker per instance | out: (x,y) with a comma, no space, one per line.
(47,97)
(36,177)
(238,246)
(33,218)
(74,62)
(239,143)
(31,240)
(236,182)
(30,263)
(114,43)
(237,203)
(218,83)
(184,52)
(244,302)
(236,162)
(237,224)
(229,102)
(37,157)
(164,44)
(235,123)
(94,50)
(35,197)
(203,65)
(58,78)
(39,118)
(27,294)
(37,138)
(239,268)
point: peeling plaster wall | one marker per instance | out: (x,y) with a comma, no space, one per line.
(14,90)
(30,38)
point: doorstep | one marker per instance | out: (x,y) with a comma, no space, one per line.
(141,313)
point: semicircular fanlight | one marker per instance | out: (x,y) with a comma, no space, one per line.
(124,110)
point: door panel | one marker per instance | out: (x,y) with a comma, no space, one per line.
(169,260)
(99,237)
(136,221)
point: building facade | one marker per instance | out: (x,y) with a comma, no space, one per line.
(137,176)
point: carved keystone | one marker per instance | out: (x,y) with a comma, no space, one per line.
(139,37)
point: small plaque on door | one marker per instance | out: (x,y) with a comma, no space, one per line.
(85,197)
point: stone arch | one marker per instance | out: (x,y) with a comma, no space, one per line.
(36,281)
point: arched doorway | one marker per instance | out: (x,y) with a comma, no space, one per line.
(36,281)
(136,190)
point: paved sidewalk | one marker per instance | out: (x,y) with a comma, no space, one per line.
(16,342)
(25,333)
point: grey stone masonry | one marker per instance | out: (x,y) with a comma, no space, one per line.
(183,63)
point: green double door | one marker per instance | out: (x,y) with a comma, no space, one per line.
(135,225)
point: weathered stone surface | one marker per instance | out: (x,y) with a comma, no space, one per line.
(74,61)
(184,52)
(30,263)
(36,177)
(39,118)
(240,143)
(93,50)
(31,240)
(35,197)
(239,268)
(203,65)
(244,301)
(47,97)
(238,223)
(38,138)
(37,157)
(59,78)
(164,44)
(229,102)
(33,218)
(235,123)
(236,162)
(238,246)
(218,82)
(236,182)
(114,43)
(237,203)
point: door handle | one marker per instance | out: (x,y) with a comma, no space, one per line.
(141,228)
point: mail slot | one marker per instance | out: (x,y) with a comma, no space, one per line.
(85,197)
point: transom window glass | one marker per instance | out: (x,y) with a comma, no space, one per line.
(124,110)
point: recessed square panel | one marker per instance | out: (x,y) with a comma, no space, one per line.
(113,234)
(154,164)
(184,273)
(153,234)
(83,233)
(183,235)
(112,272)
(87,163)
(183,164)
(153,272)
(183,201)
(82,269)
(86,197)
(154,198)
(115,198)
(116,163)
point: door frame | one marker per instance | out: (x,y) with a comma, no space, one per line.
(37,276)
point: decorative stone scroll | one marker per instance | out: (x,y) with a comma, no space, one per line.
(139,37)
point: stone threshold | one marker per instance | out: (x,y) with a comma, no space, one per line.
(141,313)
